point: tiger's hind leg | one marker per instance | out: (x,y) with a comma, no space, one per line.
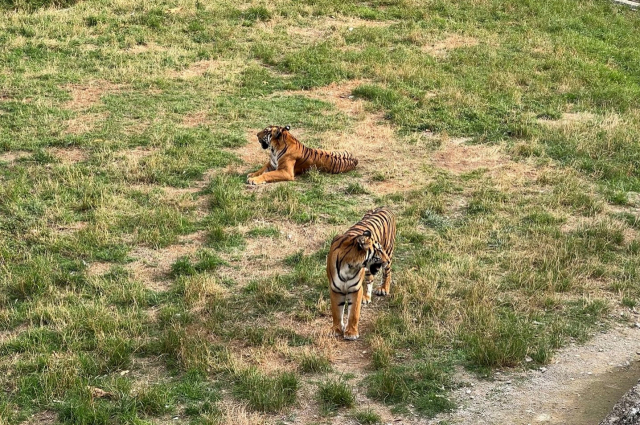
(368,288)
(385,288)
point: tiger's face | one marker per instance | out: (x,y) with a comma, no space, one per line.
(375,258)
(270,133)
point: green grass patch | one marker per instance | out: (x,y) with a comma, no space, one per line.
(334,395)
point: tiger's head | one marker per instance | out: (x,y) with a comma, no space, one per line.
(271,133)
(375,257)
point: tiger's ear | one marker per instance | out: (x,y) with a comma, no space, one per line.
(363,239)
(287,128)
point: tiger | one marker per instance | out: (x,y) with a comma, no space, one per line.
(289,158)
(355,257)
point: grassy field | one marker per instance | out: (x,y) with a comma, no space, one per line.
(141,280)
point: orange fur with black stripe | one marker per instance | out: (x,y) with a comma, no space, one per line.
(354,258)
(288,158)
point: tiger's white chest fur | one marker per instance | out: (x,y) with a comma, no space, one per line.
(352,276)
(273,159)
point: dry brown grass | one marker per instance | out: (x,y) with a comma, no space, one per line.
(68,155)
(293,238)
(84,96)
(152,266)
(569,119)
(454,41)
(84,123)
(145,48)
(234,413)
(195,119)
(13,156)
(215,67)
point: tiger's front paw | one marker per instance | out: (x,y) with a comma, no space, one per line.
(252,174)
(253,181)
(337,331)
(381,291)
(351,337)
(366,300)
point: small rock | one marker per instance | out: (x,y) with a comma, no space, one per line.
(468,391)
(637,324)
(528,359)
(350,28)
(543,418)
(543,369)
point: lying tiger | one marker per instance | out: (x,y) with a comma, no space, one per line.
(354,258)
(289,157)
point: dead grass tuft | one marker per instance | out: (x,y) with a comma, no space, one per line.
(84,123)
(454,41)
(237,414)
(42,418)
(293,238)
(199,68)
(83,96)
(67,229)
(69,155)
(195,119)
(569,119)
(152,266)
(98,268)
(13,156)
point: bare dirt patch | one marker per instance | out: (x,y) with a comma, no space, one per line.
(152,266)
(45,417)
(138,153)
(458,158)
(292,238)
(199,68)
(454,41)
(83,96)
(98,268)
(195,119)
(84,123)
(69,155)
(13,156)
(559,394)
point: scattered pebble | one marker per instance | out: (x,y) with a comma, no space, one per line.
(528,359)
(468,391)
(543,369)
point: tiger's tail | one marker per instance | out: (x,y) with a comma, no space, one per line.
(336,162)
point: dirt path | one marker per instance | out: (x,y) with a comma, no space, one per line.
(580,386)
